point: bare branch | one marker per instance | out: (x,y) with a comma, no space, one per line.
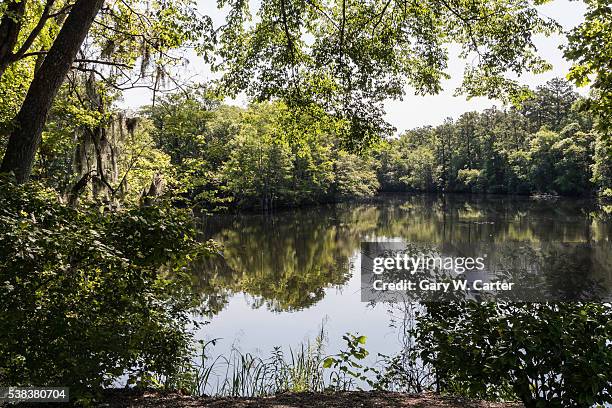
(101,62)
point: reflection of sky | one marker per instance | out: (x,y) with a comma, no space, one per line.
(341,311)
(492,220)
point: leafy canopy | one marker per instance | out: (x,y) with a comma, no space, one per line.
(349,56)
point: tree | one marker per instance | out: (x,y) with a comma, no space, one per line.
(259,167)
(348,57)
(590,48)
(355,177)
(576,150)
(108,42)
(542,160)
(550,106)
(28,125)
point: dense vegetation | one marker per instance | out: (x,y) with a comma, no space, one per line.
(553,355)
(547,145)
(87,297)
(278,156)
(266,155)
(95,228)
(269,155)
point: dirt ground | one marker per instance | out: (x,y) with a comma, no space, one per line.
(353,399)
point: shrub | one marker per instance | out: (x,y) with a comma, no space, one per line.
(548,355)
(87,297)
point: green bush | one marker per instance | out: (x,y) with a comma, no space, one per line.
(547,355)
(87,297)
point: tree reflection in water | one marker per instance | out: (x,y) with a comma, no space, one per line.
(285,260)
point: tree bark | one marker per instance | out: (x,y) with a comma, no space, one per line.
(10,26)
(29,122)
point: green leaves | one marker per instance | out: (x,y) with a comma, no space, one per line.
(590,48)
(553,355)
(348,362)
(87,297)
(347,57)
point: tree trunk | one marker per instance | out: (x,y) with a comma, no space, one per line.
(28,125)
(10,26)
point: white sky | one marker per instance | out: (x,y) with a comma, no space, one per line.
(413,110)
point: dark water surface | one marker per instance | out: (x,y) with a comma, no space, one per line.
(285,274)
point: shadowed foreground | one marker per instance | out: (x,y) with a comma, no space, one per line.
(289,400)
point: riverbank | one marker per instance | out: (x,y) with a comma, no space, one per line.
(355,399)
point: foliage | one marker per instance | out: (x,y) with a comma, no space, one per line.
(403,371)
(259,166)
(265,156)
(132,41)
(194,131)
(355,176)
(470,180)
(553,355)
(547,146)
(88,297)
(349,362)
(16,76)
(590,48)
(113,153)
(347,58)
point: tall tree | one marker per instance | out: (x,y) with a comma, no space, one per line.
(550,105)
(590,47)
(28,125)
(84,36)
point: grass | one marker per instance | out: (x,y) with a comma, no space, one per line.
(302,369)
(246,375)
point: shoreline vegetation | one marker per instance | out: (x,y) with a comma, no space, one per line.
(97,230)
(73,262)
(208,156)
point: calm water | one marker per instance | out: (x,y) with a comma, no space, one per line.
(286,274)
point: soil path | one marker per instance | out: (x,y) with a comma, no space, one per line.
(352,399)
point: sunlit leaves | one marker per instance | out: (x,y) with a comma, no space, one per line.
(349,56)
(86,297)
(590,47)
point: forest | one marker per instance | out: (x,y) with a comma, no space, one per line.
(213,156)
(98,238)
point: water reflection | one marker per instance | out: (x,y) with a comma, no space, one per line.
(285,261)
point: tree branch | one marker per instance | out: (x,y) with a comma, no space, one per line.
(35,31)
(95,61)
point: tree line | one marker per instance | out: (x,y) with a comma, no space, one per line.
(548,145)
(270,154)
(211,155)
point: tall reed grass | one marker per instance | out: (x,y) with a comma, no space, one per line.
(247,375)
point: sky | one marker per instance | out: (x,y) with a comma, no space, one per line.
(414,110)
